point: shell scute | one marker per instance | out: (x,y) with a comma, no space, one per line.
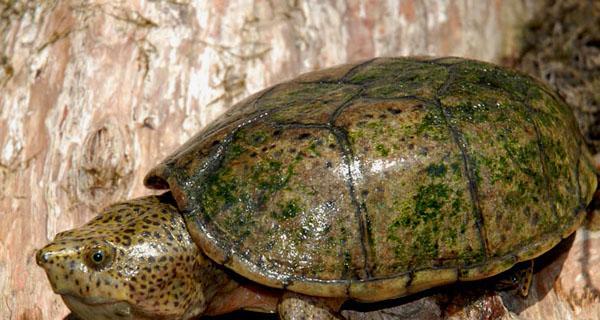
(412,185)
(398,77)
(281,192)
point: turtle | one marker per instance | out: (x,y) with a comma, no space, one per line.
(362,182)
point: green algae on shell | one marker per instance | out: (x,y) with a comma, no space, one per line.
(383,178)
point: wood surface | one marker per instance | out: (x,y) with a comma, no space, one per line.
(94,93)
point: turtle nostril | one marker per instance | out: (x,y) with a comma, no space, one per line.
(42,257)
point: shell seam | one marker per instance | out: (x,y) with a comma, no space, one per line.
(360,211)
(542,155)
(461,144)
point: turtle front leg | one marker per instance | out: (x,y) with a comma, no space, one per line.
(518,278)
(295,306)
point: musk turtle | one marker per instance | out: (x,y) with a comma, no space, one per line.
(364,182)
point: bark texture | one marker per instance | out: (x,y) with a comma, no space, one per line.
(94,93)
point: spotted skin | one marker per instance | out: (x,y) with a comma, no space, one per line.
(150,268)
(296,306)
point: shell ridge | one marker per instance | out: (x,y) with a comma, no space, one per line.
(335,114)
(348,158)
(355,69)
(299,125)
(436,61)
(211,130)
(360,212)
(461,144)
(542,154)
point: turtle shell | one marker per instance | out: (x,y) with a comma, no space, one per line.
(384,178)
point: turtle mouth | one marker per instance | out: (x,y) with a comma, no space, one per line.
(97,307)
(92,301)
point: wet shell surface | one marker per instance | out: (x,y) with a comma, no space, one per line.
(384,178)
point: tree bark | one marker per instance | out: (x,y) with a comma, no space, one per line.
(94,93)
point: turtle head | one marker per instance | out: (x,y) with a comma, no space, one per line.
(79,270)
(133,261)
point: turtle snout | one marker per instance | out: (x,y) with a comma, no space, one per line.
(52,254)
(42,257)
(47,255)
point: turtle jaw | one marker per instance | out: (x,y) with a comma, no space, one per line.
(93,309)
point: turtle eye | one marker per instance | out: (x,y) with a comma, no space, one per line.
(99,256)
